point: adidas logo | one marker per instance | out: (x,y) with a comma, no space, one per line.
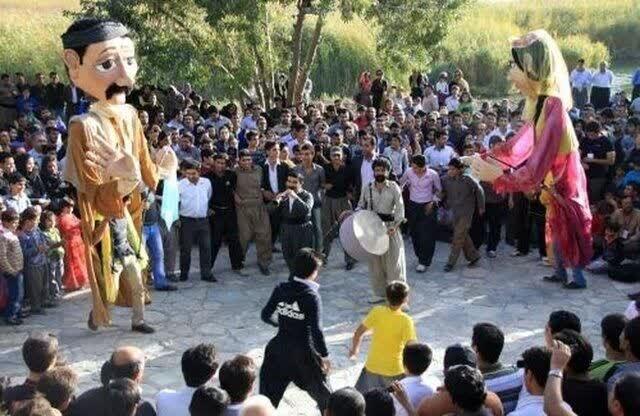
(290,311)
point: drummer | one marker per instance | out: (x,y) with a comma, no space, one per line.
(384,197)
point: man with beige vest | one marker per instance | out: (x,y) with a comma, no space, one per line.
(253,219)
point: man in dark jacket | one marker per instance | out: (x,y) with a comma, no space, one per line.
(298,353)
(295,206)
(274,181)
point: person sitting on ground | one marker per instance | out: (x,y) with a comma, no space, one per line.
(559,320)
(467,389)
(198,367)
(58,386)
(536,362)
(39,352)
(345,402)
(506,381)
(125,362)
(258,406)
(611,327)
(379,402)
(631,345)
(208,401)
(237,378)
(416,359)
(441,403)
(392,330)
(587,397)
(123,397)
(38,406)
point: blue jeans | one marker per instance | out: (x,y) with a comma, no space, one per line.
(15,286)
(153,240)
(561,272)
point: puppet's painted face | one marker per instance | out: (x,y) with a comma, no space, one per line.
(108,69)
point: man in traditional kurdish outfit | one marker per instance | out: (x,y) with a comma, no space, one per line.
(107,155)
(546,151)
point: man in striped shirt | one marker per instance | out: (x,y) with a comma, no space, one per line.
(505,381)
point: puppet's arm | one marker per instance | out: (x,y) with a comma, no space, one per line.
(528,177)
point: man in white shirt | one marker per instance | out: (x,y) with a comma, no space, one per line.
(439,155)
(601,83)
(536,362)
(453,101)
(502,127)
(250,122)
(195,194)
(198,367)
(416,359)
(580,82)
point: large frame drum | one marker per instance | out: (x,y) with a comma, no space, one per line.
(364,235)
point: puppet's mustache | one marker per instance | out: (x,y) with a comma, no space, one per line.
(114,89)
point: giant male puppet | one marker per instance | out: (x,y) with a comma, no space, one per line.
(544,153)
(107,162)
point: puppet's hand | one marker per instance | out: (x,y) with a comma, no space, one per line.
(113,163)
(167,162)
(483,170)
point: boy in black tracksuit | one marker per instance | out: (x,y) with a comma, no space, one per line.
(298,352)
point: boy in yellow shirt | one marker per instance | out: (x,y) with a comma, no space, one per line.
(392,329)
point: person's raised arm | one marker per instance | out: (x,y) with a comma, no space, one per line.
(553,402)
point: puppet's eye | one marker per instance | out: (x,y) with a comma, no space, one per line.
(106,66)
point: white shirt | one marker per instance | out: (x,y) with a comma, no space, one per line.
(273,176)
(529,405)
(366,172)
(602,79)
(580,79)
(248,123)
(437,158)
(417,388)
(174,403)
(452,103)
(194,199)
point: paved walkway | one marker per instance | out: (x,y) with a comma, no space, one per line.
(507,291)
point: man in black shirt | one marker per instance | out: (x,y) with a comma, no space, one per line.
(338,183)
(54,95)
(598,155)
(224,223)
(125,362)
(298,353)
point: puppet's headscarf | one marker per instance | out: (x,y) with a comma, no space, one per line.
(540,70)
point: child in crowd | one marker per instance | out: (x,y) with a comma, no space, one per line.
(34,249)
(11,265)
(392,331)
(75,265)
(55,255)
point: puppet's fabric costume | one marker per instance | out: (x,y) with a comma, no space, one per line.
(545,149)
(99,197)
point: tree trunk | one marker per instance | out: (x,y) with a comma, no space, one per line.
(310,58)
(271,89)
(265,93)
(296,52)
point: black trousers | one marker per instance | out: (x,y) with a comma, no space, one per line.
(422,228)
(477,230)
(275,221)
(285,363)
(494,214)
(195,230)
(224,225)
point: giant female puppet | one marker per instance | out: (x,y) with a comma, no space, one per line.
(544,153)
(107,160)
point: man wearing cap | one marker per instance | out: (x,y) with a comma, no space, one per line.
(337,185)
(107,154)
(424,188)
(463,196)
(384,197)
